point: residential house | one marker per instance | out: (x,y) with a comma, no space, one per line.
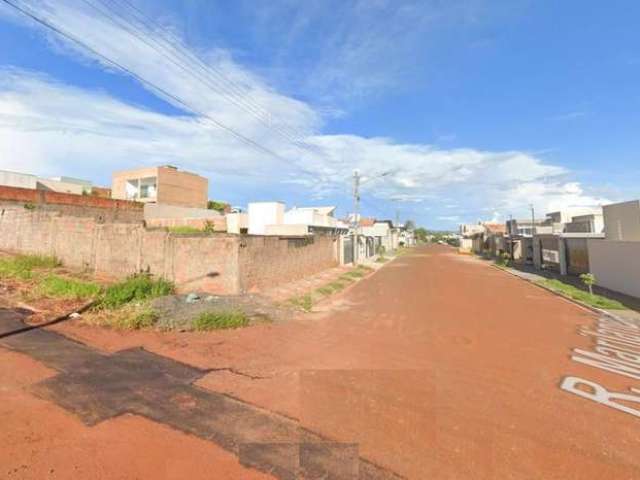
(406,236)
(382,231)
(262,214)
(237,222)
(166,185)
(615,260)
(55,184)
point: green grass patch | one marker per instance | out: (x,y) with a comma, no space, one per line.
(184,229)
(354,274)
(22,266)
(346,278)
(381,259)
(136,320)
(364,268)
(304,302)
(337,285)
(57,286)
(220,320)
(580,295)
(134,289)
(325,290)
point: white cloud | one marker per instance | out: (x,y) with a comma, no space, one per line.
(50,128)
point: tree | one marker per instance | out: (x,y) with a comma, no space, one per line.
(421,234)
(218,206)
(589,279)
(410,225)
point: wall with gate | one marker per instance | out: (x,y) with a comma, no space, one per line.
(577,255)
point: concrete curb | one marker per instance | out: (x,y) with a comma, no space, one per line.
(558,294)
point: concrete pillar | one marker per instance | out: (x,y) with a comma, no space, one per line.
(562,251)
(537,253)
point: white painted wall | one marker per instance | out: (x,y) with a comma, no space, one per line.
(262,214)
(622,221)
(616,265)
(237,221)
(19,180)
(308,216)
(56,186)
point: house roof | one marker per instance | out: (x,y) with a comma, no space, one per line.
(367,222)
(496,227)
(328,210)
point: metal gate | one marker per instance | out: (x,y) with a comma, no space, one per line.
(577,256)
(347,247)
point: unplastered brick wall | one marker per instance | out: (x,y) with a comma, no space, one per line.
(218,224)
(196,262)
(215,263)
(267,261)
(102,209)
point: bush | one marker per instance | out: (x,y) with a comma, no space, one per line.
(22,266)
(136,288)
(56,286)
(220,320)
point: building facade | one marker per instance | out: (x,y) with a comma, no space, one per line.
(163,185)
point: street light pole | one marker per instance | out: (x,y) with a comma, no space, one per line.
(356,210)
(533,220)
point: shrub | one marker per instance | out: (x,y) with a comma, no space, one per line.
(56,286)
(381,259)
(136,288)
(220,320)
(589,279)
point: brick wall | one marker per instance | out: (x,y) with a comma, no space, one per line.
(102,209)
(269,261)
(218,263)
(219,223)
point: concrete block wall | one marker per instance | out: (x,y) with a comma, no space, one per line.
(266,261)
(218,263)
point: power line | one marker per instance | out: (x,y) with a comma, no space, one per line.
(140,16)
(180,56)
(71,37)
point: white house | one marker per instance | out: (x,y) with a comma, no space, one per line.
(33,182)
(262,214)
(315,216)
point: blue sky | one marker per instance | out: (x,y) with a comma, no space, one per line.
(479,108)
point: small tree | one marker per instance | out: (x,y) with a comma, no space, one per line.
(589,279)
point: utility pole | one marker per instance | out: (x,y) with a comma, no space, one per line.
(533,220)
(397,217)
(356,210)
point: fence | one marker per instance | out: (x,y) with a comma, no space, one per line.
(216,263)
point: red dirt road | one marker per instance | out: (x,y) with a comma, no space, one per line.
(438,366)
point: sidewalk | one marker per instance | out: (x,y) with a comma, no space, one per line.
(532,275)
